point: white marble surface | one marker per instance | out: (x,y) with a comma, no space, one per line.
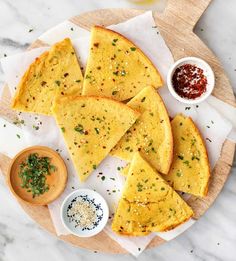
(213,237)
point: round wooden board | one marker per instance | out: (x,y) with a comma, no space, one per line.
(176,26)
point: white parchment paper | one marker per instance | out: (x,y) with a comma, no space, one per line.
(144,33)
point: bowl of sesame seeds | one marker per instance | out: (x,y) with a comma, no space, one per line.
(84,213)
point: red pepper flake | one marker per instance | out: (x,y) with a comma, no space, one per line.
(189,81)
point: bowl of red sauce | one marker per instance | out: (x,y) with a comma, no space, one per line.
(191,80)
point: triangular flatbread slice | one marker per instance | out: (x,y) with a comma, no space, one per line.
(117,68)
(190,170)
(151,134)
(92,126)
(53,74)
(148,203)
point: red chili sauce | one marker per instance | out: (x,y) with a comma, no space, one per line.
(189,81)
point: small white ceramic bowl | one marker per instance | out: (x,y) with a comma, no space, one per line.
(98,203)
(207,70)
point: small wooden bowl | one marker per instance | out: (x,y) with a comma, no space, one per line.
(56,180)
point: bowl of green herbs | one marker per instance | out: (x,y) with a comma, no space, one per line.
(37,175)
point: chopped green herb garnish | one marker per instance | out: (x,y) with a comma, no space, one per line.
(63,129)
(193,141)
(143,99)
(94,166)
(35,127)
(114,92)
(79,128)
(18,136)
(133,49)
(194,157)
(180,157)
(78,81)
(33,172)
(178,174)
(114,42)
(58,83)
(97,130)
(139,187)
(186,162)
(103,178)
(123,73)
(18,122)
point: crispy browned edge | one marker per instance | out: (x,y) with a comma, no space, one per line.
(205,151)
(167,228)
(139,50)
(171,136)
(21,85)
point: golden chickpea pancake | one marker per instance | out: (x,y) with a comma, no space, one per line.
(53,74)
(190,169)
(116,68)
(151,134)
(91,127)
(148,203)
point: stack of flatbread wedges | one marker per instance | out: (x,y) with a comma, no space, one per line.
(115,108)
(53,74)
(148,203)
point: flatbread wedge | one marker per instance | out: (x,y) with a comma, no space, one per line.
(91,127)
(148,203)
(116,68)
(55,73)
(190,170)
(151,134)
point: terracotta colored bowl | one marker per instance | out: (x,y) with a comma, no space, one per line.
(56,181)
